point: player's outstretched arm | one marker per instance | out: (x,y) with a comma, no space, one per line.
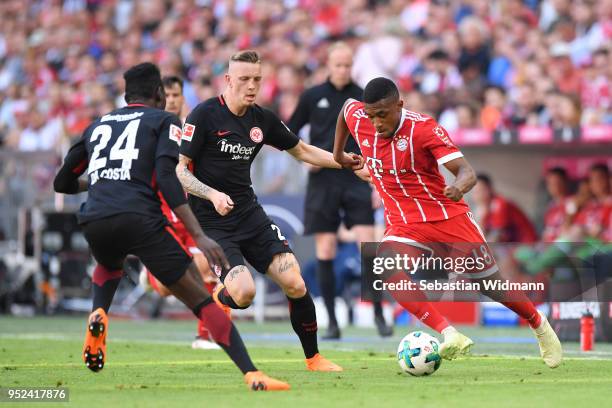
(222,202)
(341,137)
(67,178)
(319,157)
(465,178)
(340,156)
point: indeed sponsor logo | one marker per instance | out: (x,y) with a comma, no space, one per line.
(235,148)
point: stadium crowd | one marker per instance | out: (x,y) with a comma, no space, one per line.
(469,63)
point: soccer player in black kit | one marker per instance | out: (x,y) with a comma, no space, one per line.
(334,196)
(129,154)
(221,137)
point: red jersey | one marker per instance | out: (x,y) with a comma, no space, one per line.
(511,222)
(404,168)
(554,218)
(594,217)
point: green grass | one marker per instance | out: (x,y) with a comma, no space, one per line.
(151,364)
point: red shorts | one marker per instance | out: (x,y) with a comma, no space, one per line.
(457,237)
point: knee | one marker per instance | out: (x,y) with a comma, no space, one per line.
(296,288)
(243,295)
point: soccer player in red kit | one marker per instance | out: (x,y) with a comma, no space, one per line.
(403,150)
(173,87)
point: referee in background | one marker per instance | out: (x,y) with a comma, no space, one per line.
(334,196)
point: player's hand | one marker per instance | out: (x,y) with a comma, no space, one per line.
(363,174)
(453,193)
(352,161)
(222,202)
(213,252)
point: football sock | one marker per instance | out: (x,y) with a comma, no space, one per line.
(426,313)
(210,286)
(304,322)
(526,310)
(203,332)
(417,304)
(327,284)
(105,284)
(368,291)
(378,310)
(226,299)
(225,334)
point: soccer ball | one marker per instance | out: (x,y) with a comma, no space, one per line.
(418,355)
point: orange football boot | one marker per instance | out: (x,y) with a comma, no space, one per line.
(94,348)
(320,363)
(258,381)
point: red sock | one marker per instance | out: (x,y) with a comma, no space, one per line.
(210,286)
(415,301)
(203,332)
(215,320)
(426,313)
(526,310)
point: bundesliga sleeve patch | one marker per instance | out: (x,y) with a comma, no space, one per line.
(175,133)
(188,131)
(438,131)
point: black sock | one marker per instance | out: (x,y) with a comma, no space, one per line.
(378,310)
(226,299)
(225,334)
(327,283)
(105,283)
(304,322)
(369,293)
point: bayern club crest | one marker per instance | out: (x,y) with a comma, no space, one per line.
(402,144)
(256,135)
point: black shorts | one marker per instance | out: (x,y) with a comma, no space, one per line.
(152,240)
(256,238)
(328,203)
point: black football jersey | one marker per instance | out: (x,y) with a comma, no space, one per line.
(222,147)
(118,154)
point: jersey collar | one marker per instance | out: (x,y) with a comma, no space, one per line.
(401,122)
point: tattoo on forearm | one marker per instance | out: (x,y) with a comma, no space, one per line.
(192,185)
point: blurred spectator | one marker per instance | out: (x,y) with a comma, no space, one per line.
(494,112)
(592,218)
(67,57)
(525,107)
(439,74)
(555,217)
(501,219)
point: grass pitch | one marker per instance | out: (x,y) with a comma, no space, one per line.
(151,364)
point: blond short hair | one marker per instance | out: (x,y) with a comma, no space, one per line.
(250,56)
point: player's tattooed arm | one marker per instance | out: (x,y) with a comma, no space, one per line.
(222,202)
(189,182)
(465,178)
